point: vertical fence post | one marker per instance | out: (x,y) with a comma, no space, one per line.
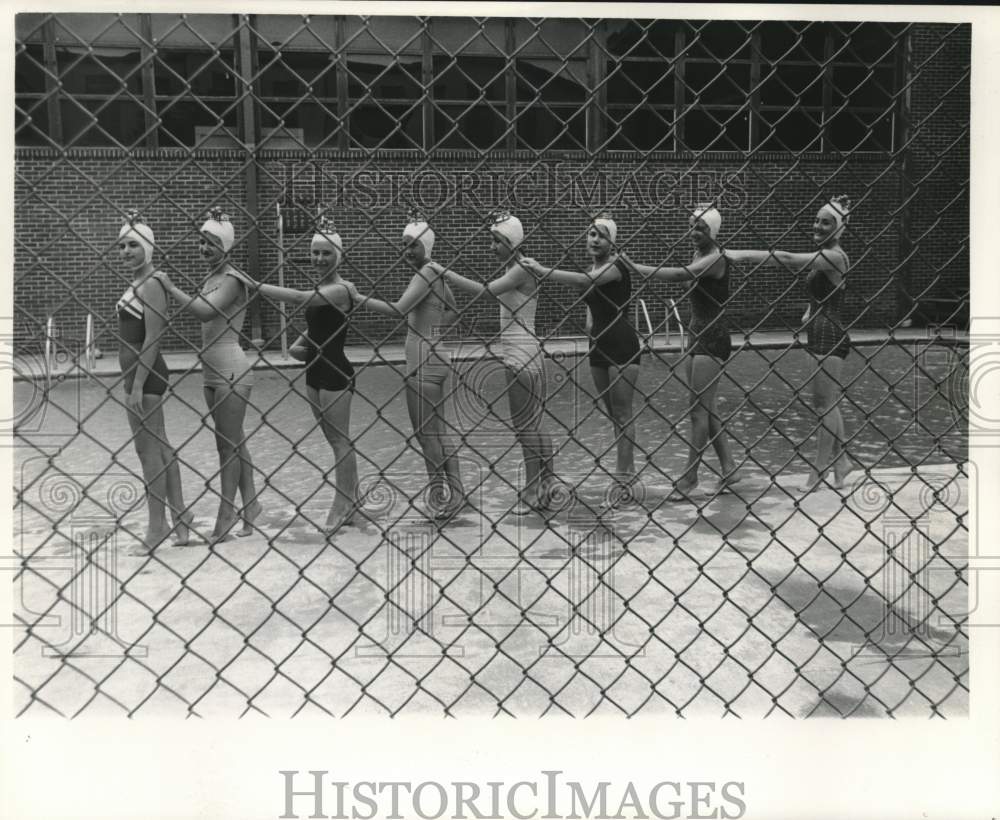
(597,100)
(510,83)
(149,81)
(827,129)
(344,120)
(902,135)
(281,281)
(89,359)
(50,328)
(679,142)
(755,66)
(427,81)
(53,100)
(249,128)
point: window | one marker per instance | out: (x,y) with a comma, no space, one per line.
(722,86)
(384,109)
(469,101)
(550,104)
(100,96)
(717,110)
(195,96)
(792,81)
(298,89)
(629,85)
(863,88)
(639,113)
(31,126)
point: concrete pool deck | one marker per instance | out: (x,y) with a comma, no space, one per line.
(762,603)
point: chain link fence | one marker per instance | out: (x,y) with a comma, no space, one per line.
(626,588)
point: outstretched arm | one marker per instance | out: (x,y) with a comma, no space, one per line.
(511,279)
(606,273)
(463,284)
(415,292)
(206,308)
(334,293)
(821,259)
(704,266)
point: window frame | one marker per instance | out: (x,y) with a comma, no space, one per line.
(605,122)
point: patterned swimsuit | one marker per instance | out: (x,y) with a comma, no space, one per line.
(708,318)
(825,332)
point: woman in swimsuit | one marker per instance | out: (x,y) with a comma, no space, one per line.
(709,351)
(827,340)
(142,317)
(615,351)
(228,376)
(425,303)
(517,291)
(329,374)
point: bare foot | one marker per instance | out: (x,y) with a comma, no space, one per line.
(182,528)
(682,491)
(223,525)
(528,504)
(337,518)
(150,541)
(727,481)
(249,514)
(841,470)
(813,481)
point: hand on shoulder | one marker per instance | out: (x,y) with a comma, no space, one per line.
(351,289)
(242,277)
(532,266)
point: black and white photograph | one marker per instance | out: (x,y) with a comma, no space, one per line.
(374,366)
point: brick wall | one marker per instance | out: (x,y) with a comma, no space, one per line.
(68,210)
(940,109)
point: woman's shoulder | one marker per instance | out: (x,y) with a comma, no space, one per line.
(617,264)
(337,292)
(149,288)
(845,258)
(832,261)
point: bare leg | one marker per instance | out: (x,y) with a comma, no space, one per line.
(228,412)
(602,383)
(248,492)
(332,409)
(425,403)
(618,391)
(827,391)
(182,517)
(525,393)
(703,373)
(147,447)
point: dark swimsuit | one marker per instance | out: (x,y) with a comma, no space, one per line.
(614,342)
(328,367)
(131,338)
(709,329)
(825,333)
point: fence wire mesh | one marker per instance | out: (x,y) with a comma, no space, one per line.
(523,532)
